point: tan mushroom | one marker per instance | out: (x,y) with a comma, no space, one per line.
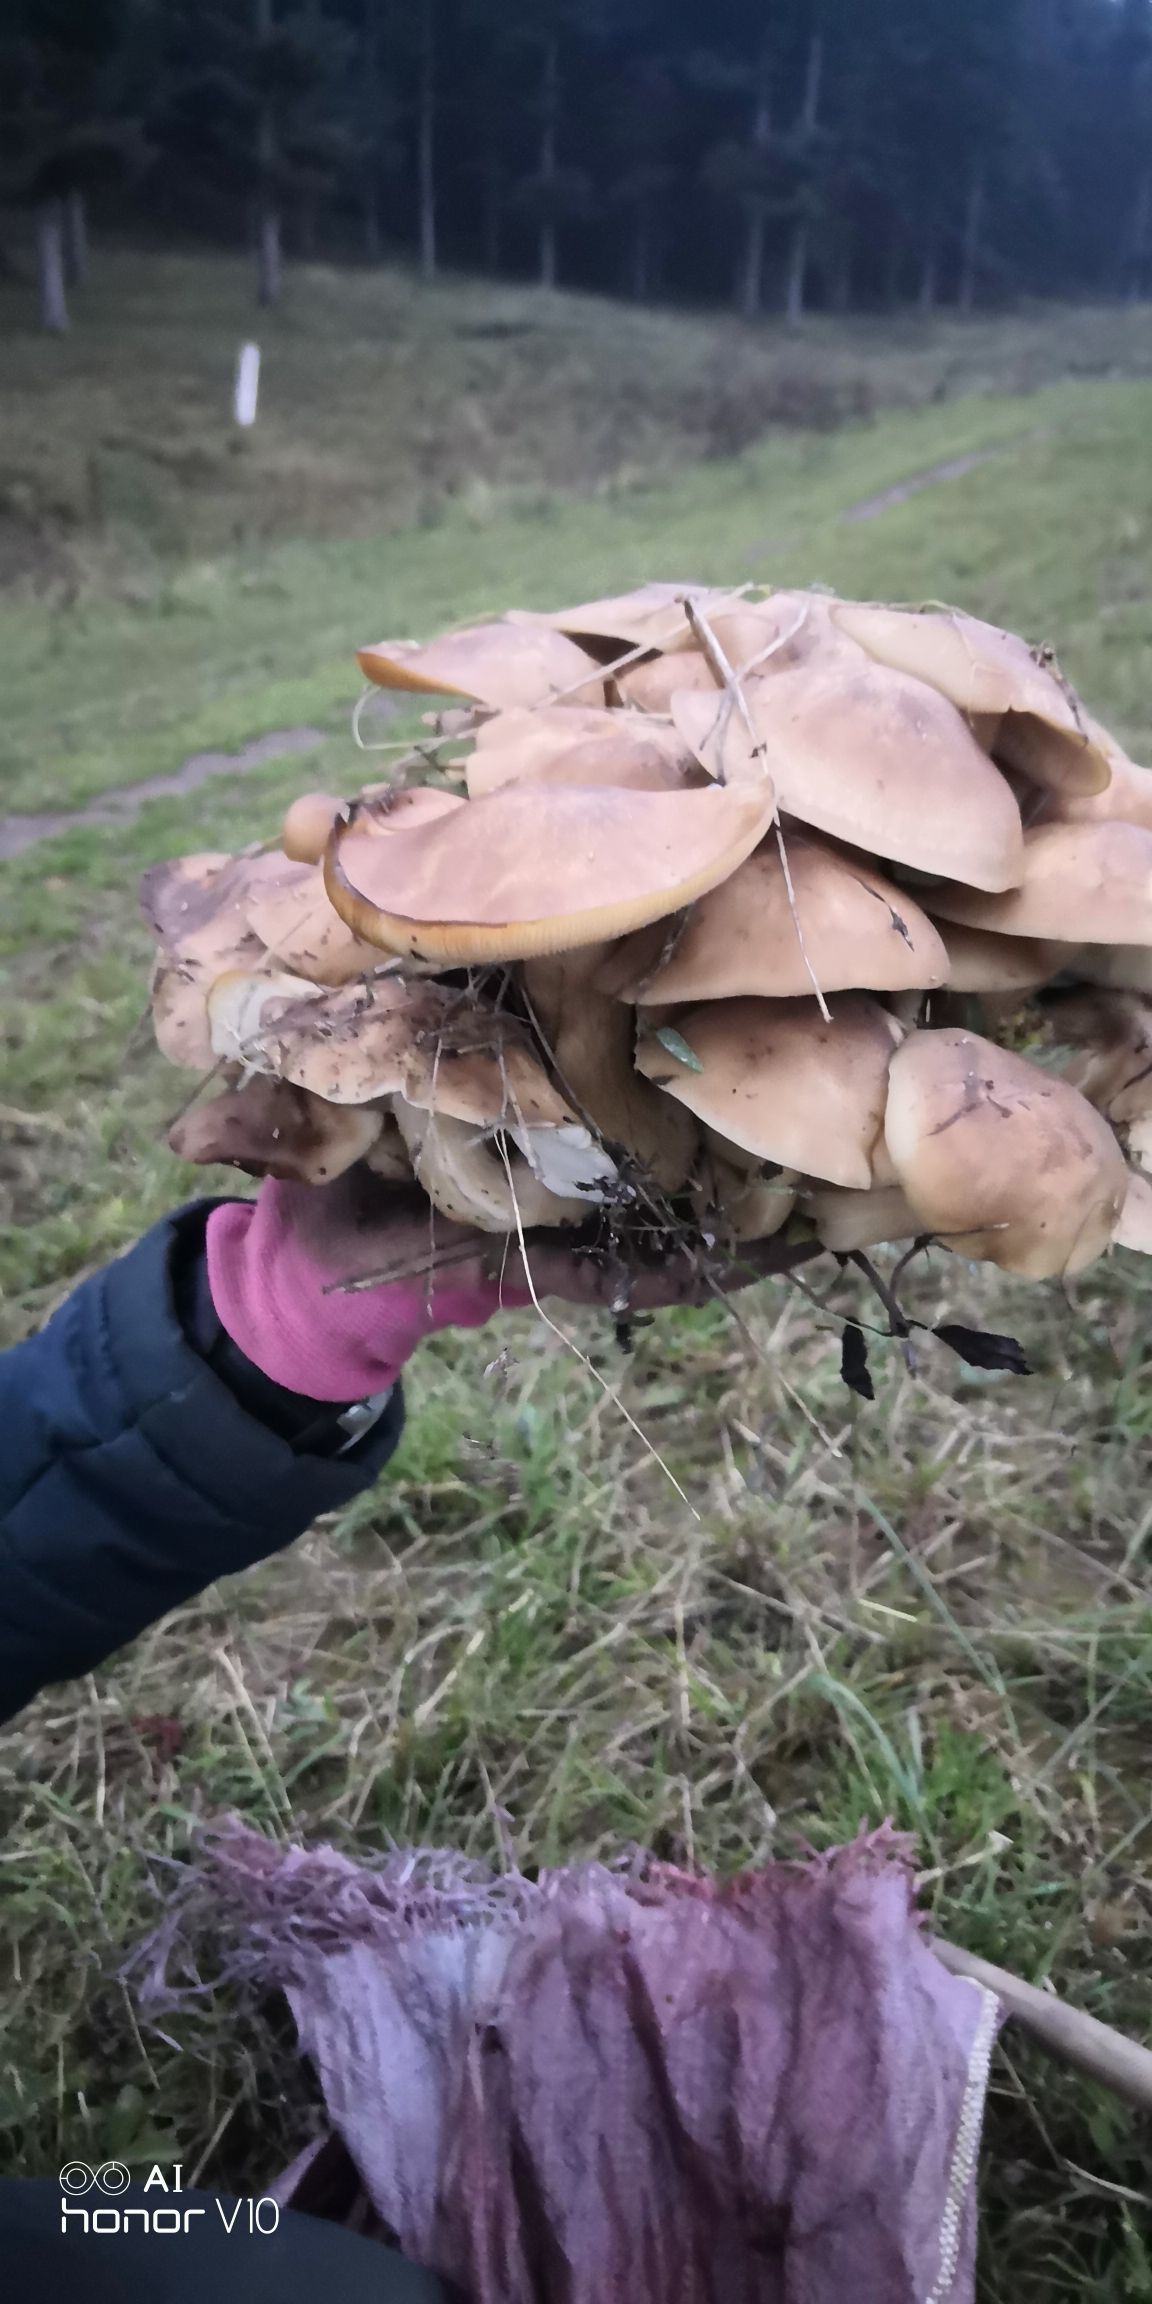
(307,823)
(1043,729)
(588,1038)
(632,752)
(500,664)
(848,1221)
(843,924)
(1134,1223)
(1000,1160)
(1121,967)
(521,873)
(651,617)
(979,961)
(731,1205)
(782,1082)
(475,1181)
(1110,1034)
(650,686)
(271,1128)
(306,936)
(870,756)
(1126,798)
(1089,882)
(349,1045)
(198,909)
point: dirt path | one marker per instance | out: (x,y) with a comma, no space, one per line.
(870,507)
(123,804)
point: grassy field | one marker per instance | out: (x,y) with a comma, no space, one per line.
(936,1607)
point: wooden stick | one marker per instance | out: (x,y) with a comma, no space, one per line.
(1106,2055)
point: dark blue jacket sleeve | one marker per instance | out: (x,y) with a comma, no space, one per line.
(131,1475)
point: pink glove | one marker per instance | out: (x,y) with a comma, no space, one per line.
(271,1265)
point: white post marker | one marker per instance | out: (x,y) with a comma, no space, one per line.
(247,389)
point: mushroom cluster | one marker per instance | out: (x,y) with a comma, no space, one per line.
(710,913)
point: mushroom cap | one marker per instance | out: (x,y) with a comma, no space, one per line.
(733,1205)
(858,931)
(198,908)
(1111,1033)
(651,685)
(356,1043)
(638,756)
(474,1181)
(1043,731)
(846,1221)
(307,823)
(1083,882)
(588,1040)
(1121,967)
(1126,798)
(1134,1223)
(1001,1160)
(501,664)
(779,1080)
(305,935)
(652,616)
(524,872)
(979,961)
(777,634)
(271,1128)
(872,757)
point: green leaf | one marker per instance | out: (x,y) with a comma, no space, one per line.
(678,1047)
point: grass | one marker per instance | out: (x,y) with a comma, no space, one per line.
(936,1607)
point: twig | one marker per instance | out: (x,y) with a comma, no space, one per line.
(1106,2055)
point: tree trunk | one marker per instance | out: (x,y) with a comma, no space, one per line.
(797,273)
(802,230)
(426,141)
(970,252)
(1138,239)
(76,239)
(549,109)
(269,254)
(751,286)
(269,263)
(50,267)
(926,299)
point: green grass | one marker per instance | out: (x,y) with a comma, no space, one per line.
(937,1607)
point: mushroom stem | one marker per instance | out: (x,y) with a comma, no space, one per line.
(588,1037)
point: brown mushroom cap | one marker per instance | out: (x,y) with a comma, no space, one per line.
(979,961)
(870,756)
(1043,730)
(846,1221)
(305,936)
(1121,967)
(198,908)
(1126,798)
(474,1181)
(731,1205)
(637,755)
(651,617)
(1086,882)
(1111,1033)
(309,820)
(999,1159)
(271,1128)
(525,872)
(858,932)
(776,1078)
(651,686)
(501,664)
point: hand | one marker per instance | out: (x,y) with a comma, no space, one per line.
(329,1288)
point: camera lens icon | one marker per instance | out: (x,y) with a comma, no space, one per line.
(76,2177)
(113,2177)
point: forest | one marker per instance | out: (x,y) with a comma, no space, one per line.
(779,155)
